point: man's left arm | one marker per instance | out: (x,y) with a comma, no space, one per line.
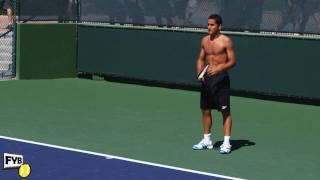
(231,58)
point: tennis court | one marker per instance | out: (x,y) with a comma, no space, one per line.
(272,140)
(97,89)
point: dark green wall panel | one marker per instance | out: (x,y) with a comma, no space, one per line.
(138,54)
(46,51)
(277,65)
(265,64)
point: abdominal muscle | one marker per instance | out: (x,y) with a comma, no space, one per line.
(216,60)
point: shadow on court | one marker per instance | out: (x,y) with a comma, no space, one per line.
(236,144)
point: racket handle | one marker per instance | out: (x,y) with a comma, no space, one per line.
(203,72)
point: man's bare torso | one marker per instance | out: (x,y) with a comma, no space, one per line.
(215,50)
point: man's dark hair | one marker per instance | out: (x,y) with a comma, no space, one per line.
(216,17)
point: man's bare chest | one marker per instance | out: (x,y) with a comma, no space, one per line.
(214,48)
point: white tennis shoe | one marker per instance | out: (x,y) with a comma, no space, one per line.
(203,145)
(225,148)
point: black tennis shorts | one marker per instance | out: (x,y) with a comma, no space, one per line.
(215,92)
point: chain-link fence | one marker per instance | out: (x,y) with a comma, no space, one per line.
(7,64)
(52,10)
(297,16)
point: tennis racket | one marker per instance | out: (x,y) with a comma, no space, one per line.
(202,73)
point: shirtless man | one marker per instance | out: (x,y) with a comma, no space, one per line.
(216,51)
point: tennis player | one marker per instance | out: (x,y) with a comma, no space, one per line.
(217,52)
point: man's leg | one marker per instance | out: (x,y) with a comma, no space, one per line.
(227,124)
(206,142)
(207,121)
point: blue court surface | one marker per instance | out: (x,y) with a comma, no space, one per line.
(50,162)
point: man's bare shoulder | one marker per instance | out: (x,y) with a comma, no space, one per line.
(205,38)
(226,38)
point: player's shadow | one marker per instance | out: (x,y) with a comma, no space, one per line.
(236,144)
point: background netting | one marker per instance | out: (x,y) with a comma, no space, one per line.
(299,16)
(7,69)
(52,10)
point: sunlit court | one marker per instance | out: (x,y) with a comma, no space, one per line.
(113,89)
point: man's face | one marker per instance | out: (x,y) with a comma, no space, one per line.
(213,27)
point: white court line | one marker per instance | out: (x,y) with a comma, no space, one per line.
(120,158)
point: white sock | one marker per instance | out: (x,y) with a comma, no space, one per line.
(226,140)
(207,137)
